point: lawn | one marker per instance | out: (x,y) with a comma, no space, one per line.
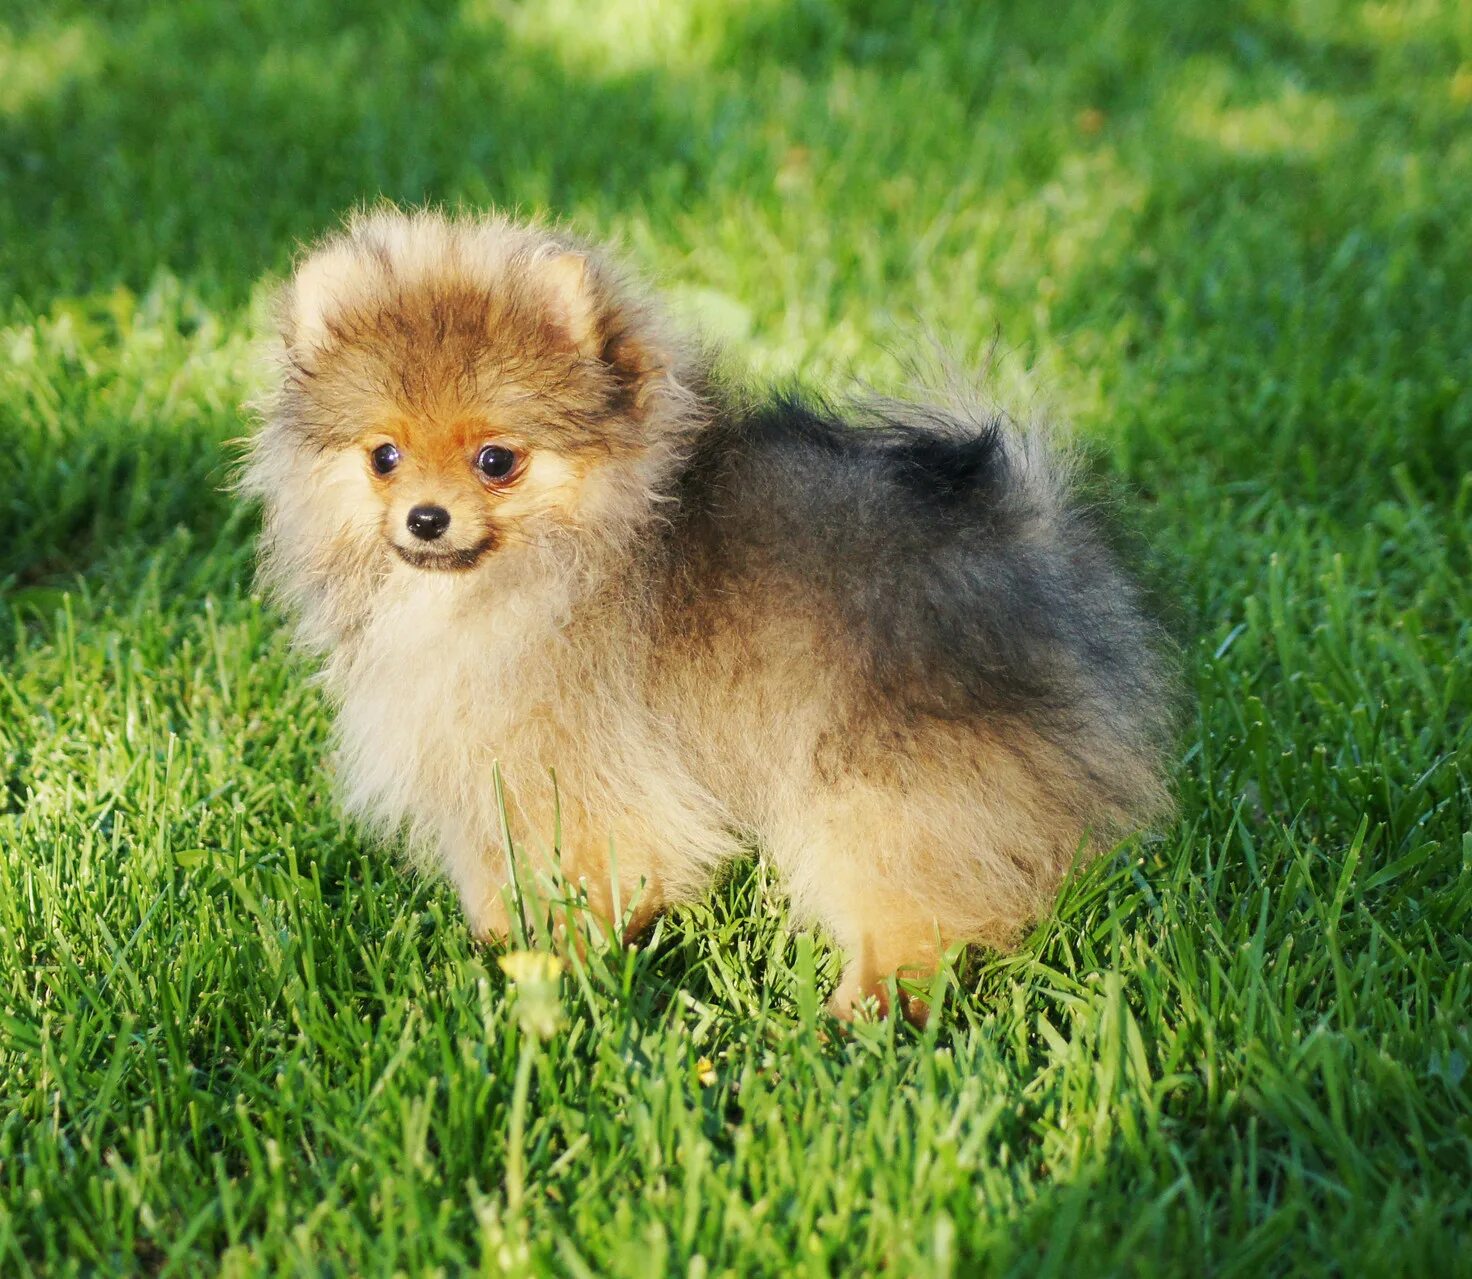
(1228,242)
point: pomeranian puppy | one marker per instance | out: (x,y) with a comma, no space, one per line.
(575,593)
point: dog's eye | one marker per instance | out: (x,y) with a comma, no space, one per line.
(385,457)
(495,462)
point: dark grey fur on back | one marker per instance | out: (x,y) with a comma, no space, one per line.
(951,553)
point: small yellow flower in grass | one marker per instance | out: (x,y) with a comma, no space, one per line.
(705,1072)
(527,967)
(535,978)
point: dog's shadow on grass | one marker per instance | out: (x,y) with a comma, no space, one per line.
(209,142)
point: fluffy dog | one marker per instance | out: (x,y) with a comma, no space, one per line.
(528,526)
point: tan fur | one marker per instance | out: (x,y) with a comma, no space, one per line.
(674,735)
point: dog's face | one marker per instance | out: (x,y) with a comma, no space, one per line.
(452,391)
(448,493)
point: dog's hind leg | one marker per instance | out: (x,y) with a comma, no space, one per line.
(885,936)
(853,864)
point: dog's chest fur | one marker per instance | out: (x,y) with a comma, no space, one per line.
(444,683)
(449,682)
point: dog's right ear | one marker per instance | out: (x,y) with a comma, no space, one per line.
(314,296)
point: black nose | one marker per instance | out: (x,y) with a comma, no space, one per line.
(428,522)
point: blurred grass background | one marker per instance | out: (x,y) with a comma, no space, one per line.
(1227,241)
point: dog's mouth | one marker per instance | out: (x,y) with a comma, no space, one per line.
(445,561)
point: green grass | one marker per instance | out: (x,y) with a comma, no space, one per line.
(1228,241)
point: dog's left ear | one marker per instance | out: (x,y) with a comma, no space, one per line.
(602,326)
(574,300)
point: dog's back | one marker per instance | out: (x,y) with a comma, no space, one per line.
(951,554)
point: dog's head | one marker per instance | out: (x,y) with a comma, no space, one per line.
(451,389)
